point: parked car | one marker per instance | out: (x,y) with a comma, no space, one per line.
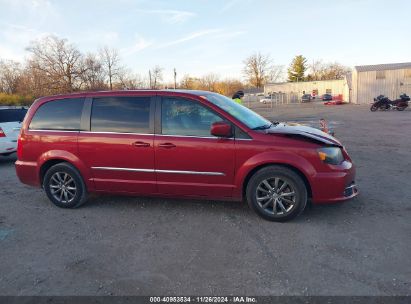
(266,99)
(306,98)
(327,97)
(192,144)
(10,123)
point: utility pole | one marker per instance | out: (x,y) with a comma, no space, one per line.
(175,79)
(149,77)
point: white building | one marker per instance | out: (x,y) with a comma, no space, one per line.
(360,86)
(369,81)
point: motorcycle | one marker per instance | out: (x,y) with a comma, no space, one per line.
(384,103)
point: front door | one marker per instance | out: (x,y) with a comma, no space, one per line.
(119,147)
(189,160)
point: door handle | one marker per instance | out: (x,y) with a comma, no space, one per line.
(167,145)
(141,144)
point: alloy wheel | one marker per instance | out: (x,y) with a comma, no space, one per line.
(276,196)
(63,187)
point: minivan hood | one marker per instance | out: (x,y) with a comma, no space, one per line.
(304,131)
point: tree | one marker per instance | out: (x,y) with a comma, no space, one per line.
(209,82)
(296,71)
(156,76)
(258,68)
(58,63)
(326,71)
(10,74)
(111,64)
(93,76)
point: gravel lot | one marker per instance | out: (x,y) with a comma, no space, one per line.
(147,246)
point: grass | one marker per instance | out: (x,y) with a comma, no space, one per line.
(15,100)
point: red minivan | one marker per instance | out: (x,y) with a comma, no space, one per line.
(192,144)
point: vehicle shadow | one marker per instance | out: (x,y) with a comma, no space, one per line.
(239,210)
(7,160)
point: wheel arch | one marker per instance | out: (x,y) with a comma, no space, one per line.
(288,166)
(51,158)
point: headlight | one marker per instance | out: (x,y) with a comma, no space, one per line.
(331,155)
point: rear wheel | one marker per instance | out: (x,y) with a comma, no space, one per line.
(373,108)
(64,186)
(276,193)
(401,108)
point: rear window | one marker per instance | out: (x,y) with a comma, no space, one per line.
(12,115)
(63,114)
(121,114)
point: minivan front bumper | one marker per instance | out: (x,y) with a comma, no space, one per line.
(334,186)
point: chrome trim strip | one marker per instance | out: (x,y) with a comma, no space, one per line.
(104,132)
(190,172)
(123,169)
(159,171)
(45,130)
(98,132)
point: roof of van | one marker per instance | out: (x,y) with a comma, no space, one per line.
(85,93)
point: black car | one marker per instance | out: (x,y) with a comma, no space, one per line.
(327,97)
(306,98)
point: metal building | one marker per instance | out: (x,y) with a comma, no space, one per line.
(369,81)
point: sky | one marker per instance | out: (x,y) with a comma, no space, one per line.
(198,37)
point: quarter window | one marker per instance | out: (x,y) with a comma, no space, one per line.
(184,117)
(63,114)
(121,115)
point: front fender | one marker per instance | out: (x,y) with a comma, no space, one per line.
(272,157)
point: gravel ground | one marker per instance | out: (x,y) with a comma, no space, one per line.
(148,246)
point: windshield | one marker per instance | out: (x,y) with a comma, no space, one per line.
(240,112)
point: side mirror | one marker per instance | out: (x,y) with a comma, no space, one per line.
(221,129)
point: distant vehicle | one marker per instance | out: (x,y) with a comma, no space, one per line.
(327,97)
(306,98)
(10,124)
(384,103)
(266,99)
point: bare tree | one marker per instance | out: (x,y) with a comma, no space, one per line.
(130,81)
(209,82)
(111,64)
(93,76)
(156,75)
(59,63)
(259,69)
(326,71)
(10,74)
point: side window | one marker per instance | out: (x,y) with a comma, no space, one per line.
(63,114)
(121,114)
(184,117)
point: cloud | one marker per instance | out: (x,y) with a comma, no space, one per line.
(190,37)
(170,16)
(139,45)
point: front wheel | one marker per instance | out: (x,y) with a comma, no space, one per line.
(276,193)
(64,186)
(373,108)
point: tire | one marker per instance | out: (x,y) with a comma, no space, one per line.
(401,108)
(64,186)
(280,175)
(373,108)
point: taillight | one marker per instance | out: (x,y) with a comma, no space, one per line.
(2,134)
(19,148)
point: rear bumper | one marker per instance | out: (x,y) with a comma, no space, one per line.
(335,186)
(27,173)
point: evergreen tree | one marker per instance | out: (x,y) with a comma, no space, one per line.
(297,69)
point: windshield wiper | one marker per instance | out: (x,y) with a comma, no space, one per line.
(264,127)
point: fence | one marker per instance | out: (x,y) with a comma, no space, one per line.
(256,101)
